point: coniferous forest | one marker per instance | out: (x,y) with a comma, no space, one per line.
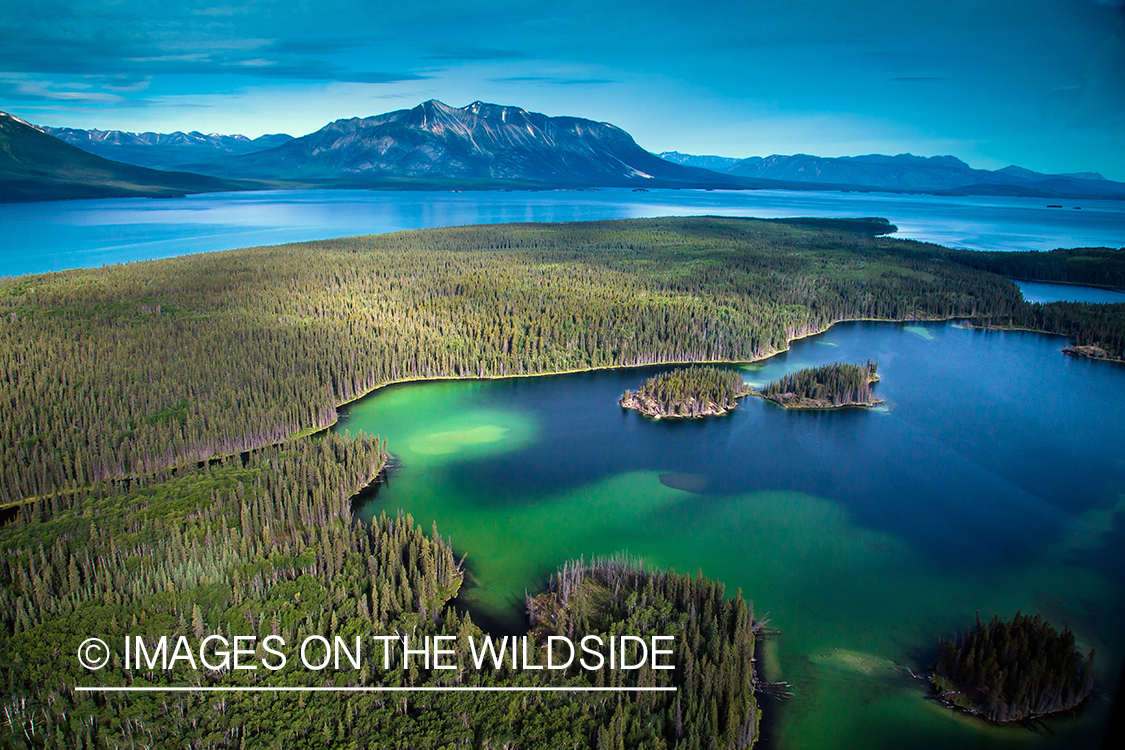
(825,387)
(1011,671)
(120,371)
(1093,266)
(687,392)
(714,651)
(268,546)
(159,458)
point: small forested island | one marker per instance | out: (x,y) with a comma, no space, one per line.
(834,386)
(687,392)
(1012,671)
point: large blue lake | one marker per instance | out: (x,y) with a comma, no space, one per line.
(37,237)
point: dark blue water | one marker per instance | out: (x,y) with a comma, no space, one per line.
(38,237)
(991,480)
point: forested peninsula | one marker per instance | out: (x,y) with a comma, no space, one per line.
(687,392)
(834,386)
(123,370)
(1091,266)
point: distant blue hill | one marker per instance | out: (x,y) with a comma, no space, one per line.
(716,163)
(904,173)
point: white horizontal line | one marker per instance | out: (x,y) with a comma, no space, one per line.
(424,689)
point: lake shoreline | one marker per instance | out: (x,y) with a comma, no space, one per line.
(633,402)
(316,430)
(657,363)
(1080,285)
(87,234)
(795,401)
(1072,350)
(814,405)
(1088,351)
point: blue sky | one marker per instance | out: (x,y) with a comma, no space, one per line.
(1039,83)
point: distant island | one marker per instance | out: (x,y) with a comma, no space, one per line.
(1089,351)
(1012,671)
(687,392)
(835,386)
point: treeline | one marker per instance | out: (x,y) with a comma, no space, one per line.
(834,385)
(1011,671)
(714,704)
(1084,324)
(1095,266)
(688,392)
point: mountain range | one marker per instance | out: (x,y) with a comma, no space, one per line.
(482,143)
(904,173)
(164,150)
(714,163)
(36,166)
(435,146)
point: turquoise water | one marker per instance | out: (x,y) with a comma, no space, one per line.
(53,236)
(992,480)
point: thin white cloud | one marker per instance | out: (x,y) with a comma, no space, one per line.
(41,90)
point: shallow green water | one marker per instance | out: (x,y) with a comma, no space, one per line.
(992,479)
